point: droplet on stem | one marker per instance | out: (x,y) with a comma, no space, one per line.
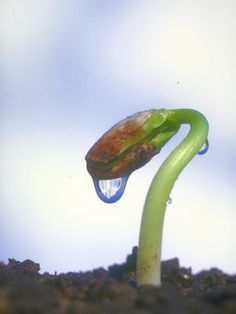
(204,148)
(169,201)
(110,191)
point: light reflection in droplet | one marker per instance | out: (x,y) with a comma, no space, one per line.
(110,191)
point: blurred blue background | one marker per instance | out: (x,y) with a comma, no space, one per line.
(69,71)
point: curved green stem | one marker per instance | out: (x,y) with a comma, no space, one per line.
(149,253)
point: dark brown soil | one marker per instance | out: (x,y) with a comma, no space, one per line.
(23,290)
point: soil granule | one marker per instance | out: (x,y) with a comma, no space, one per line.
(23,290)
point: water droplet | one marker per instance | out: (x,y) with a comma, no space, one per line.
(169,201)
(204,148)
(110,191)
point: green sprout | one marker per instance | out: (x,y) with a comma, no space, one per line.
(129,145)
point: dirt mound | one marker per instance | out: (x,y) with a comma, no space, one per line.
(23,290)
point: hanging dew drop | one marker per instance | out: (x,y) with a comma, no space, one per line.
(204,148)
(110,191)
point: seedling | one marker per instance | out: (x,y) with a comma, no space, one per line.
(129,145)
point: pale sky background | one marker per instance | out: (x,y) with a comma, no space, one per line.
(71,69)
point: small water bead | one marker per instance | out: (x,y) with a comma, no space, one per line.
(169,201)
(110,191)
(204,148)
